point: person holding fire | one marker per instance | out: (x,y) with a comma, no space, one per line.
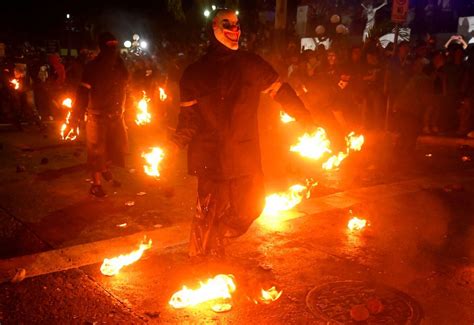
(218,122)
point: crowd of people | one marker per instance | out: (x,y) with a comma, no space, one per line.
(418,89)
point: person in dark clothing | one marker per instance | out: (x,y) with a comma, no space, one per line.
(104,80)
(218,121)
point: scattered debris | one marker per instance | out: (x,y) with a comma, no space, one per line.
(141,193)
(359,313)
(19,276)
(374,306)
(130,203)
(122,225)
(429,155)
(88,180)
(152,314)
(221,308)
(465,158)
(158,226)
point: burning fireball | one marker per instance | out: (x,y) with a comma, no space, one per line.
(285,118)
(72,134)
(284,201)
(163,95)
(15,83)
(313,145)
(220,287)
(143,116)
(270,295)
(113,266)
(153,159)
(356,224)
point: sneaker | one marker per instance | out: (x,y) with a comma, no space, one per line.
(97,191)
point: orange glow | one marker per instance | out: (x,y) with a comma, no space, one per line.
(356,224)
(113,266)
(67,102)
(220,287)
(313,145)
(270,295)
(163,95)
(15,83)
(153,159)
(284,201)
(355,142)
(72,134)
(285,118)
(143,116)
(334,161)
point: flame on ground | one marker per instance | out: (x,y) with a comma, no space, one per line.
(112,266)
(285,118)
(270,295)
(220,287)
(15,83)
(356,224)
(355,142)
(284,201)
(153,159)
(163,95)
(313,145)
(143,116)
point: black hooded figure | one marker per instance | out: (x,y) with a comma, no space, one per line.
(102,94)
(218,121)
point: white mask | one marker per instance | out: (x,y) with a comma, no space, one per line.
(227,29)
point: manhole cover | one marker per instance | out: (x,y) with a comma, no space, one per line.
(332,302)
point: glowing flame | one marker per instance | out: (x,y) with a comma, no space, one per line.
(334,161)
(220,287)
(313,145)
(15,83)
(112,266)
(285,118)
(72,134)
(284,201)
(287,200)
(153,160)
(356,224)
(67,102)
(355,142)
(143,116)
(163,95)
(270,295)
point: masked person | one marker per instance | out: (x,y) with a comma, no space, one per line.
(103,82)
(218,120)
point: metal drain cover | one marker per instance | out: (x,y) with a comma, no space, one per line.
(333,301)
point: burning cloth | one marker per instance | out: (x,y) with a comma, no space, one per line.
(218,120)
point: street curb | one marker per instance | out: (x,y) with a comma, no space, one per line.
(91,253)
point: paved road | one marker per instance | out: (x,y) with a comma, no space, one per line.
(420,239)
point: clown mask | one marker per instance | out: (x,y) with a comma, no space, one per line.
(226,29)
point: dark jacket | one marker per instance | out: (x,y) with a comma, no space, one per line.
(104,81)
(221,128)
